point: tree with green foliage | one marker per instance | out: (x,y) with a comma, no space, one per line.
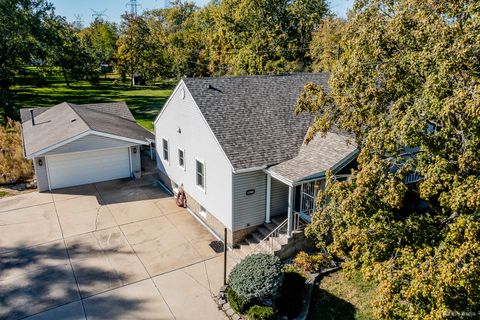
(180,32)
(258,37)
(325,48)
(407,66)
(24,35)
(100,41)
(135,51)
(68,54)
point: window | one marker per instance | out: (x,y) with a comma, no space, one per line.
(200,174)
(165,149)
(181,158)
(203,212)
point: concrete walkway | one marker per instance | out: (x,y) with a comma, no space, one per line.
(113,250)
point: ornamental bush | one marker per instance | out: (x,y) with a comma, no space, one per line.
(258,276)
(238,303)
(261,313)
(310,262)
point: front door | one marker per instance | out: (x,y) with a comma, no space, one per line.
(307,199)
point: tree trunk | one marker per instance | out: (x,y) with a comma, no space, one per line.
(65,76)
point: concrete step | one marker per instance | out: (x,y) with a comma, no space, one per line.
(264,231)
(269,226)
(277,220)
(251,241)
(257,236)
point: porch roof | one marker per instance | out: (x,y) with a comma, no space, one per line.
(332,151)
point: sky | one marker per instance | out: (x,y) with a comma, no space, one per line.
(115,8)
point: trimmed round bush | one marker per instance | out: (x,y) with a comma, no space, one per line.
(257,277)
(238,303)
(261,313)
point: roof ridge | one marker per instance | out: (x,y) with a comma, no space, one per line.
(257,76)
(99,111)
(75,111)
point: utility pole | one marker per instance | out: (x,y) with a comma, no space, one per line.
(133,5)
(98,15)
(78,23)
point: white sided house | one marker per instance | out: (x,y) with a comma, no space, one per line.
(236,146)
(72,145)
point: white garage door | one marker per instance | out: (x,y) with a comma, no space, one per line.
(66,170)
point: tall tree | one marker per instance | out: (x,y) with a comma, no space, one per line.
(182,32)
(135,50)
(325,47)
(253,37)
(408,77)
(100,41)
(24,35)
(68,54)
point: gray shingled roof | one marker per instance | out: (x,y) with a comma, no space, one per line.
(320,155)
(64,121)
(253,117)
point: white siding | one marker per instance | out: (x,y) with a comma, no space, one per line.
(198,142)
(41,174)
(89,143)
(249,210)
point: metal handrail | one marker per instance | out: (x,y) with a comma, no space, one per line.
(269,241)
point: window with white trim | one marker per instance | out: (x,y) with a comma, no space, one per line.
(165,149)
(200,176)
(181,158)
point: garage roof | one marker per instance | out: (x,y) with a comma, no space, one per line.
(65,122)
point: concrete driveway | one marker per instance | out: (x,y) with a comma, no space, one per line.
(112,250)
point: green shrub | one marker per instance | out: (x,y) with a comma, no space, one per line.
(239,304)
(258,276)
(310,262)
(261,313)
(292,296)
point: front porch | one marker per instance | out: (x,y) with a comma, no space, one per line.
(306,173)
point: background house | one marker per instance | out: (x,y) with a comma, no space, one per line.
(236,146)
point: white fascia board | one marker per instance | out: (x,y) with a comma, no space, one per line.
(59,144)
(168,101)
(345,161)
(112,136)
(81,135)
(279,177)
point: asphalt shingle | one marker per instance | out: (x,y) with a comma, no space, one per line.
(65,121)
(253,117)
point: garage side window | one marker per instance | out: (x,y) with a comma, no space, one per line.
(165,149)
(200,174)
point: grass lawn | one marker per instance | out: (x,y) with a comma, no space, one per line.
(145,102)
(339,298)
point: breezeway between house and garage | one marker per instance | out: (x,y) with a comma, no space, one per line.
(119,249)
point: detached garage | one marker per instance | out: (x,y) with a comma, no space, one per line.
(79,144)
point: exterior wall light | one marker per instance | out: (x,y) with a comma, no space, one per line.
(134,149)
(40,162)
